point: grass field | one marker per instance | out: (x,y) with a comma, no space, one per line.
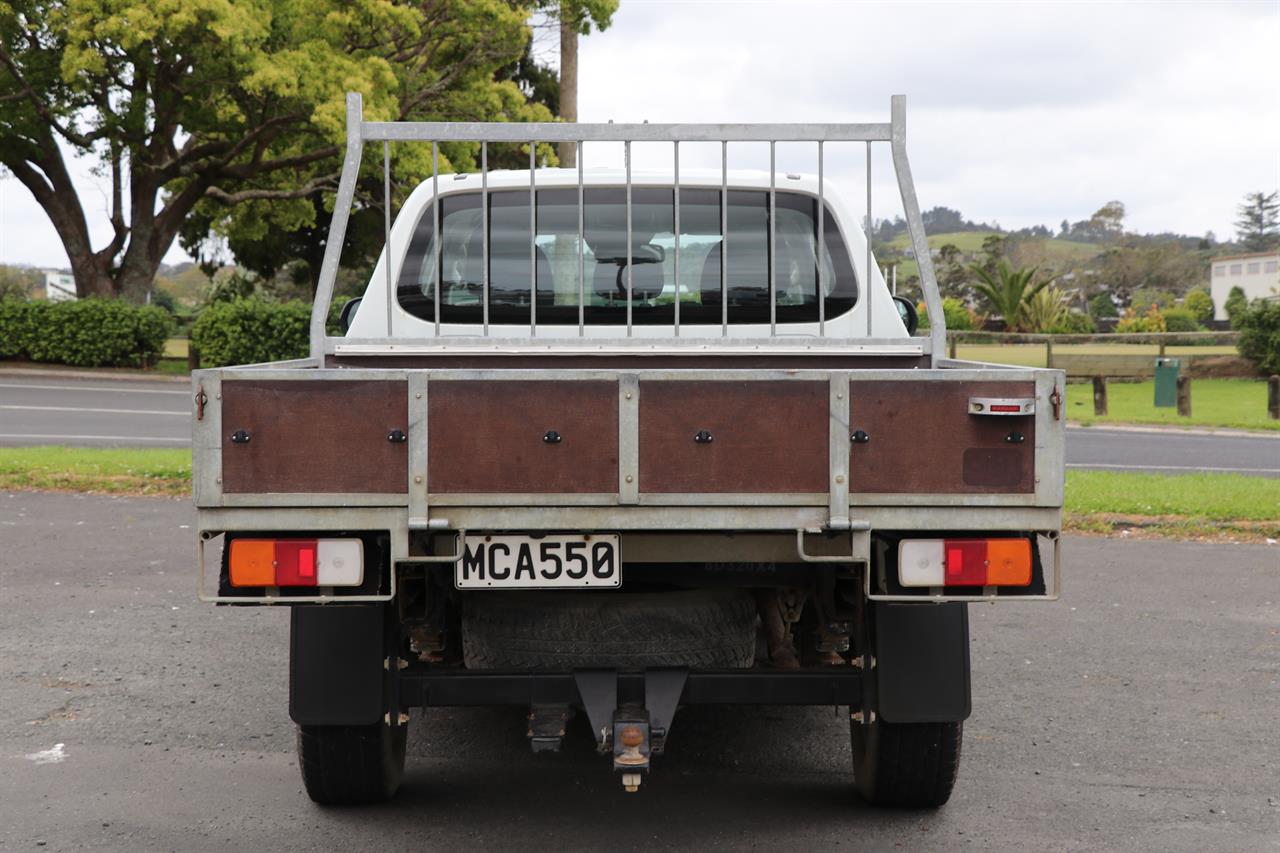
(1209,497)
(1190,504)
(176,347)
(1230,403)
(149,471)
(970,243)
(1033,355)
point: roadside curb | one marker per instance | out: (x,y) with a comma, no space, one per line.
(1177,430)
(72,373)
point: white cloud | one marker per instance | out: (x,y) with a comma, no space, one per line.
(1021,112)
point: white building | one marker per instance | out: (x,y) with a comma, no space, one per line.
(1258,275)
(59,286)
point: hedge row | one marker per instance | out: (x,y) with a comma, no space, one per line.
(83,333)
(252,330)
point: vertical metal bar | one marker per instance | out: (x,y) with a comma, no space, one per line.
(915,227)
(773,230)
(724,238)
(484,230)
(866,235)
(386,226)
(627,156)
(676,149)
(435,217)
(582,277)
(533,242)
(337,228)
(822,244)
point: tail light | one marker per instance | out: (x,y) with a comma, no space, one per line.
(964,562)
(296,562)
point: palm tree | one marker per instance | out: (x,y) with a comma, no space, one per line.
(1008,290)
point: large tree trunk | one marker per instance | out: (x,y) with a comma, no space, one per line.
(568,81)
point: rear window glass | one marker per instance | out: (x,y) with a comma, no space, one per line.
(553,265)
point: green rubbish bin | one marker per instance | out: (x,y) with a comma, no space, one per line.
(1167,382)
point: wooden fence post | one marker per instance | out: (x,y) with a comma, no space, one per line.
(1099,395)
(952,345)
(1184,396)
(1273,397)
(1048,352)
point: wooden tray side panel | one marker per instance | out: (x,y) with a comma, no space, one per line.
(768,437)
(488,437)
(315,436)
(923,439)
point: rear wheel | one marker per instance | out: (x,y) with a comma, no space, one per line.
(350,765)
(911,765)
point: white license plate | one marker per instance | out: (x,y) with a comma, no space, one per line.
(568,561)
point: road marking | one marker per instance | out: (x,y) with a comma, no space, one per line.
(90,437)
(112,389)
(98,411)
(1175,468)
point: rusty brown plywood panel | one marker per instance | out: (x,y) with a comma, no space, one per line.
(314,436)
(923,439)
(767,437)
(488,436)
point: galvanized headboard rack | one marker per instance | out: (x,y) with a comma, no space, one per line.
(360,131)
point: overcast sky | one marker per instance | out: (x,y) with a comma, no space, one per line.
(1023,113)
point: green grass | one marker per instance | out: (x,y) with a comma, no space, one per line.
(150,471)
(1203,497)
(1230,403)
(176,347)
(1057,251)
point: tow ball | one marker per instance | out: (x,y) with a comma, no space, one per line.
(631,745)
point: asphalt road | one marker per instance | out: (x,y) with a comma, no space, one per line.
(93,412)
(83,412)
(1138,713)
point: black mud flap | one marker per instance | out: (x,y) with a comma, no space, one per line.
(336,664)
(922,662)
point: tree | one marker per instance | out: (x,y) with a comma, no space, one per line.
(1044,310)
(1235,305)
(223,104)
(1258,222)
(1200,304)
(1007,290)
(1100,305)
(575,18)
(1108,220)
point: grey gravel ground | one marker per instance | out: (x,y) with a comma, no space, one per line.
(1139,713)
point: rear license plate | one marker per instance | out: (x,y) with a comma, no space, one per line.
(570,561)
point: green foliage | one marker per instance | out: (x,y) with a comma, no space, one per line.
(1044,310)
(1200,304)
(84,333)
(1007,290)
(1131,322)
(1259,326)
(237,107)
(1258,222)
(250,331)
(1236,303)
(1101,306)
(1073,323)
(17,282)
(959,317)
(1180,320)
(1144,297)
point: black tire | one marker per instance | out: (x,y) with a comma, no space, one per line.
(712,629)
(351,765)
(909,765)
